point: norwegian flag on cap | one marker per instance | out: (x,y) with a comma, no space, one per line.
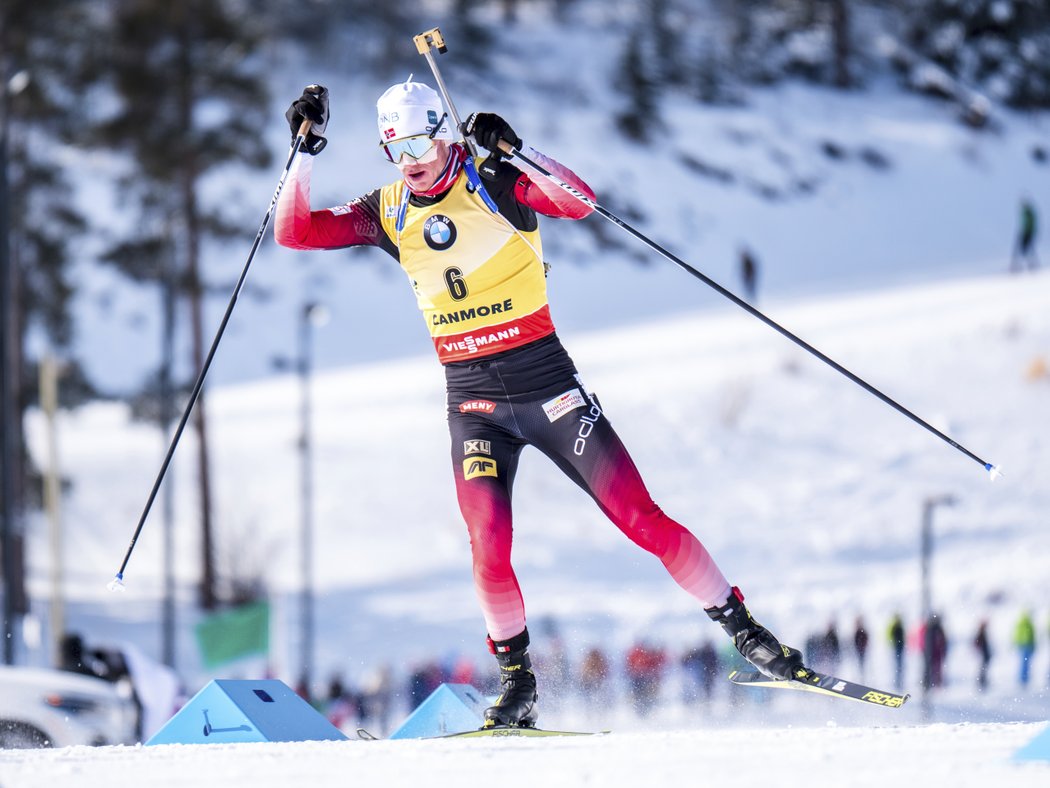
(409,109)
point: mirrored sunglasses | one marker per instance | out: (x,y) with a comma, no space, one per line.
(421,148)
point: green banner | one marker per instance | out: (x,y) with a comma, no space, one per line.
(233,634)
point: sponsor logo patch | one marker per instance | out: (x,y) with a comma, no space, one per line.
(881,698)
(471,342)
(477,447)
(473,467)
(465,315)
(477,406)
(563,403)
(439,232)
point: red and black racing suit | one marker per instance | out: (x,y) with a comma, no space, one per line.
(480,283)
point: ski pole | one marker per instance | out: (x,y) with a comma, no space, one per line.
(424,43)
(117,583)
(434,38)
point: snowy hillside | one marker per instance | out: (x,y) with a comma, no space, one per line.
(832,190)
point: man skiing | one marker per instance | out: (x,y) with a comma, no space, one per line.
(466,234)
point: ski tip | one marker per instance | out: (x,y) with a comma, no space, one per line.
(117,584)
(994,471)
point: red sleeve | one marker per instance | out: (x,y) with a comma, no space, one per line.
(545,197)
(299,227)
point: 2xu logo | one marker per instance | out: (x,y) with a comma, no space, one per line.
(477,447)
(473,467)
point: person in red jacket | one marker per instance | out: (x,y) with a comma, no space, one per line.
(466,234)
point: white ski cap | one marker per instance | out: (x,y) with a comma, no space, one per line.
(411,108)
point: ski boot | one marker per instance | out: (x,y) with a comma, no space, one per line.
(516,704)
(755,642)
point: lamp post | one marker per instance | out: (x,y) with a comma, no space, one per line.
(311,315)
(166,391)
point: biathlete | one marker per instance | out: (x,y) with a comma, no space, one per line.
(466,234)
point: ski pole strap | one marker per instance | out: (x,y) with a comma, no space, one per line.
(399,225)
(474,184)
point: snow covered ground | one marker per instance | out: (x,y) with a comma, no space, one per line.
(964,756)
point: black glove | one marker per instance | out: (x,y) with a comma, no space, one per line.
(488,129)
(311,106)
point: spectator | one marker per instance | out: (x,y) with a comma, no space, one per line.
(302,689)
(831,648)
(934,651)
(813,649)
(74,658)
(377,699)
(860,643)
(1024,639)
(1024,250)
(154,688)
(340,705)
(895,635)
(749,274)
(983,645)
(644,668)
(424,680)
(701,666)
(551,660)
(595,685)
(712,666)
(463,670)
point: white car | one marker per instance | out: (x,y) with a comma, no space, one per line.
(56,708)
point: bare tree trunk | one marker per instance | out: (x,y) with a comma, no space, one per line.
(740,30)
(840,33)
(191,218)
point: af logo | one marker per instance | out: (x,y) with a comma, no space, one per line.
(439,232)
(477,447)
(473,467)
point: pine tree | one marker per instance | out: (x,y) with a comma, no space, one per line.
(636,80)
(170,62)
(999,46)
(41,62)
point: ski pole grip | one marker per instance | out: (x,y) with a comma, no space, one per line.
(304,127)
(506,147)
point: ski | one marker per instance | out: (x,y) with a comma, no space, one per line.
(513,730)
(823,684)
(498,731)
